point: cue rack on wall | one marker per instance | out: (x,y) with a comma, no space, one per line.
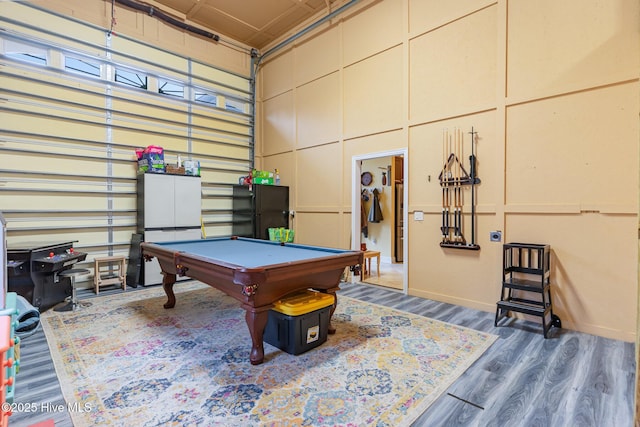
(453,179)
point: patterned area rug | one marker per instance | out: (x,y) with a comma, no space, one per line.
(126,360)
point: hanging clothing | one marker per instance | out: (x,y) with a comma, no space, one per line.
(363,215)
(375,213)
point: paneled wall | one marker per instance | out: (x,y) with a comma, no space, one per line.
(552,90)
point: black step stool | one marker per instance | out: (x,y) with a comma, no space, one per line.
(526,284)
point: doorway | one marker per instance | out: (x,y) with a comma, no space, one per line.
(386,174)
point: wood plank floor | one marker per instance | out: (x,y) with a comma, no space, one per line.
(569,379)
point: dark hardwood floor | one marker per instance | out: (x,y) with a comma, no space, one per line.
(569,379)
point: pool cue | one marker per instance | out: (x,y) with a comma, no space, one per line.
(472,173)
(449,189)
(457,186)
(442,183)
(452,168)
(447,218)
(460,193)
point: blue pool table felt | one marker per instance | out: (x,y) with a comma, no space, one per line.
(250,253)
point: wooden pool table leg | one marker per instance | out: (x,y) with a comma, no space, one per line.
(167,285)
(332,329)
(257,321)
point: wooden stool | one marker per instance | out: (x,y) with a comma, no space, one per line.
(366,269)
(115,274)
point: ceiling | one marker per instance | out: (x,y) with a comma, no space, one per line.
(255,23)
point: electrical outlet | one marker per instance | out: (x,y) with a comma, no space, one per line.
(495,236)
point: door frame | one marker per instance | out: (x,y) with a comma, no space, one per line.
(356,200)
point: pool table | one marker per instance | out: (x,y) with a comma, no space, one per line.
(255,272)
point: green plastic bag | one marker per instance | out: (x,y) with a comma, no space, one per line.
(281,235)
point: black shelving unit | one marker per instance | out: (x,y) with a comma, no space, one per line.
(526,284)
(259,208)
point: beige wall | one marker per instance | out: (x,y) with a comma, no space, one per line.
(556,111)
(552,90)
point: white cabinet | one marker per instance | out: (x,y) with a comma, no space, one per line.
(152,270)
(188,199)
(168,201)
(169,209)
